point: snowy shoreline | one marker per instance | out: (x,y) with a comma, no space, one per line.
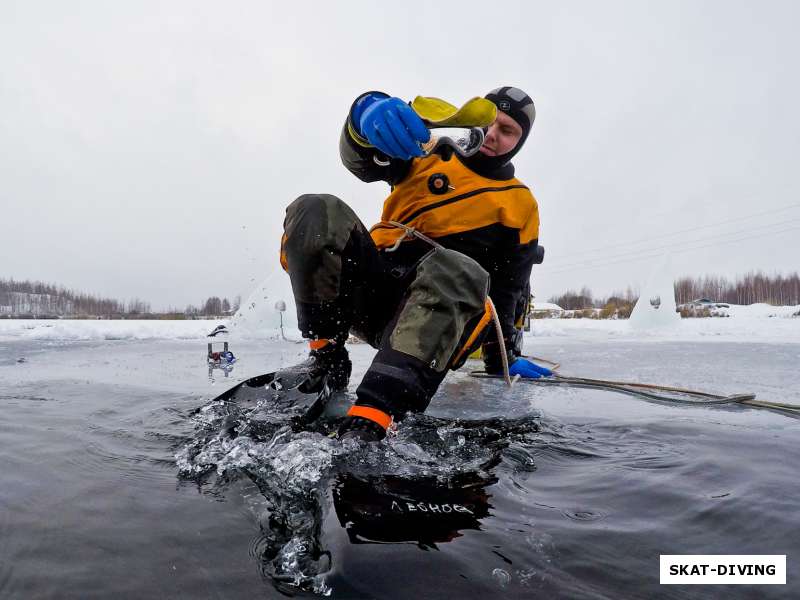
(777,330)
(754,323)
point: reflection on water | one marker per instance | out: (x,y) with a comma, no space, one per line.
(425,485)
(383,509)
(225,368)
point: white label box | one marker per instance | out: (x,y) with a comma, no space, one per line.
(705,569)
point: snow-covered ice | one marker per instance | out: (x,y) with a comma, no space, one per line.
(754,323)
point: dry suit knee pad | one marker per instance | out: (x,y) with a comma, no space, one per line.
(449,291)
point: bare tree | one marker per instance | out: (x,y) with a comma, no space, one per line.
(753,287)
(212,306)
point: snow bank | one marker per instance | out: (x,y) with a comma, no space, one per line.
(79,330)
(754,323)
(258,318)
(758,311)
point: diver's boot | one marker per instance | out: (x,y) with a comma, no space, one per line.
(359,428)
(365,423)
(327,363)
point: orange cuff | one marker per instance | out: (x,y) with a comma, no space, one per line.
(318,344)
(372,414)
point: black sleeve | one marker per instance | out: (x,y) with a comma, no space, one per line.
(509,290)
(364,160)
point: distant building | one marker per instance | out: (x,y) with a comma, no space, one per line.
(546,310)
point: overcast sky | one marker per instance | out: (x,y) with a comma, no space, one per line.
(149,149)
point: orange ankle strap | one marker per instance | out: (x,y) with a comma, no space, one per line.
(372,414)
(318,344)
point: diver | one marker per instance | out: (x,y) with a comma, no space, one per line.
(457,234)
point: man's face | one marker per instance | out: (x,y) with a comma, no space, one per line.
(502,136)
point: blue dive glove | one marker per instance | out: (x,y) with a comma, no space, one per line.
(528,369)
(394,128)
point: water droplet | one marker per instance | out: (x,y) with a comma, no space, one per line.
(583,515)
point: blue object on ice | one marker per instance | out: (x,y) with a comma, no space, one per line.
(528,369)
(227,357)
(394,128)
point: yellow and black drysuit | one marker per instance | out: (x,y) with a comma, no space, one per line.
(423,307)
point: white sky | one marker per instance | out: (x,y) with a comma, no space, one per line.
(149,149)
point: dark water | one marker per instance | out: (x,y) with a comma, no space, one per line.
(111,485)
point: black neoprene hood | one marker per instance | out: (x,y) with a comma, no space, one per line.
(517,105)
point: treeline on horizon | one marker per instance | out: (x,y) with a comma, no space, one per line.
(35,298)
(751,288)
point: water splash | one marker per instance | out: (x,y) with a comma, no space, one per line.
(425,483)
(261,312)
(655,308)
